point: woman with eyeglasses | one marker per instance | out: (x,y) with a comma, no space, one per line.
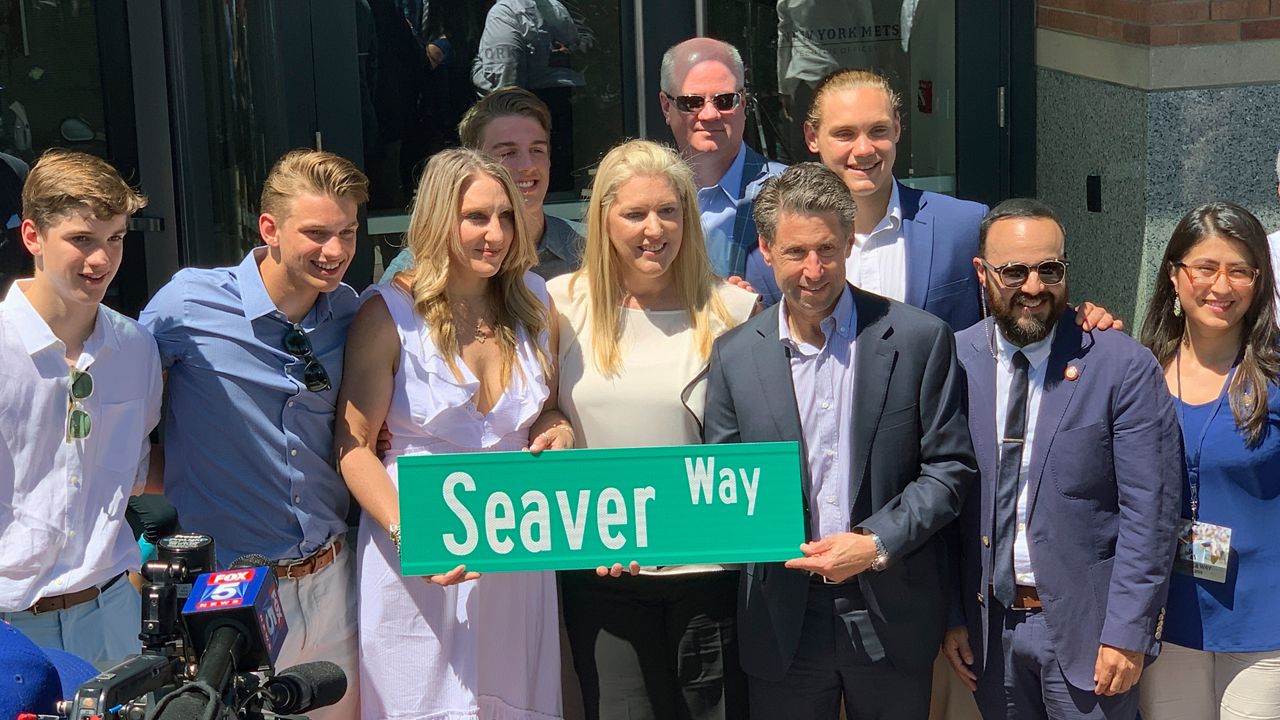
(457,355)
(636,328)
(1212,325)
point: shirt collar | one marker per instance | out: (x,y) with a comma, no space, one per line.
(731,182)
(1037,352)
(253,292)
(36,334)
(842,320)
(892,219)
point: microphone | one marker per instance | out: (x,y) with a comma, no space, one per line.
(303,688)
(235,619)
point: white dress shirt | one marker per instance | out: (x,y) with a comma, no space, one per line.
(1037,355)
(62,502)
(878,262)
(1273,240)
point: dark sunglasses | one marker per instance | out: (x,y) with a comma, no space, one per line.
(79,424)
(1015,274)
(724,102)
(297,344)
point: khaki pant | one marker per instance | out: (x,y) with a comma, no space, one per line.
(951,699)
(1186,684)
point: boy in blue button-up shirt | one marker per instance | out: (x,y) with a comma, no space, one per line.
(254,360)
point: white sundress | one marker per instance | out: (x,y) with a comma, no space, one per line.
(488,649)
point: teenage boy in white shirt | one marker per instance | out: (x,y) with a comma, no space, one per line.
(80,389)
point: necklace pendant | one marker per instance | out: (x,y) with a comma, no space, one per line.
(480,336)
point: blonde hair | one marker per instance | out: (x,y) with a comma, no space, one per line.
(310,172)
(850,79)
(64,180)
(601,269)
(434,240)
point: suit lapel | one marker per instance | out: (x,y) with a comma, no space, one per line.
(917,233)
(1055,399)
(874,358)
(980,372)
(744,225)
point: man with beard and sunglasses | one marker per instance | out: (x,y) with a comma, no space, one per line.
(1066,546)
(253,355)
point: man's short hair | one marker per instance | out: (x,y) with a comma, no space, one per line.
(63,181)
(807,188)
(311,172)
(690,52)
(1028,208)
(850,79)
(501,103)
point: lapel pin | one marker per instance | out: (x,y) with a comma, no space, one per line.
(1072,373)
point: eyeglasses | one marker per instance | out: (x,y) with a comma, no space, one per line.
(723,102)
(1015,274)
(1206,275)
(297,344)
(79,424)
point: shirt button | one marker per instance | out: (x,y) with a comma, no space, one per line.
(293,452)
(1022,527)
(986,541)
(75,480)
(297,498)
(831,500)
(290,403)
(826,405)
(71,533)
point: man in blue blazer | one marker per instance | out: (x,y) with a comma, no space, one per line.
(704,102)
(871,390)
(909,245)
(1066,547)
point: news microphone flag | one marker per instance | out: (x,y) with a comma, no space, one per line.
(244,598)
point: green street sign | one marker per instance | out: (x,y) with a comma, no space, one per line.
(570,509)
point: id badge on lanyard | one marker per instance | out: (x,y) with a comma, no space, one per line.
(1204,549)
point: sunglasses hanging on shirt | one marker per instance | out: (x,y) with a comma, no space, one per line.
(297,344)
(79,424)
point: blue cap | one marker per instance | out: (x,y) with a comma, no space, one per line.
(34,680)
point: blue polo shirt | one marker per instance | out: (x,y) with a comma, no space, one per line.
(248,449)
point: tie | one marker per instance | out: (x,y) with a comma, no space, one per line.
(1011,449)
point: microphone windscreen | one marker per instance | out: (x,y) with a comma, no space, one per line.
(248,561)
(326,681)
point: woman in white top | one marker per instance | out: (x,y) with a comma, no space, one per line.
(636,327)
(456,355)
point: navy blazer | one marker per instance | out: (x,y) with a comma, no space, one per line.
(941,234)
(912,465)
(756,168)
(1103,499)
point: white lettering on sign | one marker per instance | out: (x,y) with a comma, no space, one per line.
(451,543)
(534,523)
(701,473)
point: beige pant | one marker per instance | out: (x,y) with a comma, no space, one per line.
(320,610)
(1186,684)
(951,699)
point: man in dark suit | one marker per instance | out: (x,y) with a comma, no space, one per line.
(704,101)
(1067,546)
(871,390)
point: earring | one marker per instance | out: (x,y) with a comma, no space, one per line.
(1177,306)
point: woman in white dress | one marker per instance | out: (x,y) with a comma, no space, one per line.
(457,355)
(636,328)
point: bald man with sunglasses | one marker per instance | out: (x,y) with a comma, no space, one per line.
(704,101)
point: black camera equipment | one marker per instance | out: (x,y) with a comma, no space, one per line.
(204,635)
(122,691)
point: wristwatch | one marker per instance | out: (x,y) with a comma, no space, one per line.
(882,555)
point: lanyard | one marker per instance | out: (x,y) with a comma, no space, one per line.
(1193,460)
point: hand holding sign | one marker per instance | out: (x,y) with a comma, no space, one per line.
(453,577)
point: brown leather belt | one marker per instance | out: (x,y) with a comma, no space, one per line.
(1027,598)
(311,564)
(68,600)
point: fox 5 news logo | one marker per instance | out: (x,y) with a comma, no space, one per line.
(273,618)
(225,589)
